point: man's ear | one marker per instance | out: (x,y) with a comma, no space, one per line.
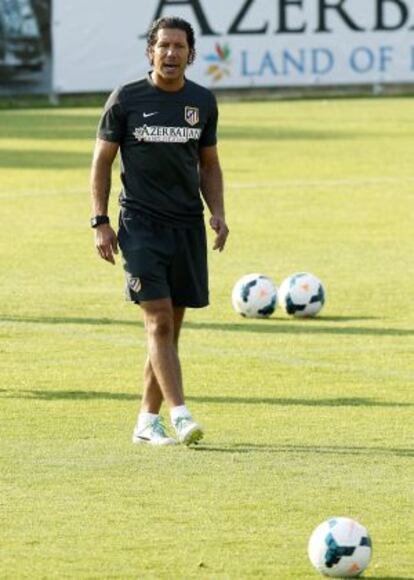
(150,55)
(191,56)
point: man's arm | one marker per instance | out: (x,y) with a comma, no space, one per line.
(103,158)
(211,186)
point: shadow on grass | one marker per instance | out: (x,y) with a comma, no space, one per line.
(68,395)
(243,448)
(63,126)
(334,402)
(283,402)
(43,159)
(57,320)
(44,126)
(322,325)
(250,133)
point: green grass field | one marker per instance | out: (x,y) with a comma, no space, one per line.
(305,419)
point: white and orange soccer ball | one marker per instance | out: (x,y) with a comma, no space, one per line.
(254,296)
(340,547)
(302,295)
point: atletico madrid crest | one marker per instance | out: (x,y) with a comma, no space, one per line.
(191,115)
(134,283)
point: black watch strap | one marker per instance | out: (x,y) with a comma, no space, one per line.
(98,220)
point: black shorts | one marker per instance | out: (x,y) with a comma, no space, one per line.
(162,261)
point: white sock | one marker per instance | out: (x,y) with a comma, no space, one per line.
(144,419)
(180,411)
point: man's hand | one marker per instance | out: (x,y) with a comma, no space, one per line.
(219,226)
(106,242)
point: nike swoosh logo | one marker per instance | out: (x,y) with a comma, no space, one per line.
(145,115)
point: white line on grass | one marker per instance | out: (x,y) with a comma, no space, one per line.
(66,329)
(314,364)
(139,341)
(41,192)
(306,183)
(282,184)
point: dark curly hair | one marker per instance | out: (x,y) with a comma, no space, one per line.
(172,22)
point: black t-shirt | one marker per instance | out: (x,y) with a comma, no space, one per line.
(160,134)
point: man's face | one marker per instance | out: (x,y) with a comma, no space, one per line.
(169,57)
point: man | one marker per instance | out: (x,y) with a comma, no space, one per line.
(165,127)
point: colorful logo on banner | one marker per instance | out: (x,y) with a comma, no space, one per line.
(219,62)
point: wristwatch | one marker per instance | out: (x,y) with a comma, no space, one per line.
(99,220)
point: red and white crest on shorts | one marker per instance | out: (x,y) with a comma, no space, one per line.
(134,283)
(191,115)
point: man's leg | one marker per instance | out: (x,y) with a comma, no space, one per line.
(162,324)
(162,372)
(162,352)
(152,396)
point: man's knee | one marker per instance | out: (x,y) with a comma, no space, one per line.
(159,322)
(160,327)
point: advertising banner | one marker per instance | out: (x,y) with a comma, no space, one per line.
(99,44)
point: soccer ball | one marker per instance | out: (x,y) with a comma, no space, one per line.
(254,296)
(302,295)
(340,547)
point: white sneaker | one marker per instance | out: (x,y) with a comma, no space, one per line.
(153,434)
(188,431)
